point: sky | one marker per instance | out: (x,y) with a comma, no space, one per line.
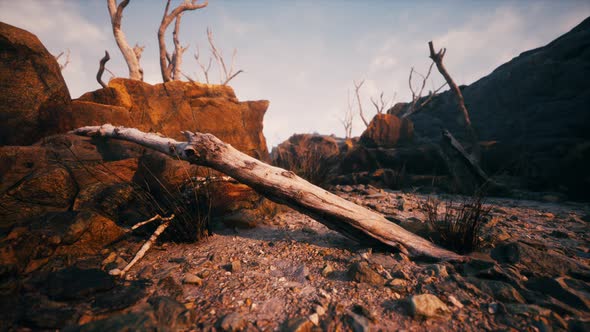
(304,55)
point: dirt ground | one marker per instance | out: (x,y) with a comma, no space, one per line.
(292,273)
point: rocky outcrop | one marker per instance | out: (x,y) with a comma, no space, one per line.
(387,130)
(170,108)
(31,85)
(312,156)
(532,114)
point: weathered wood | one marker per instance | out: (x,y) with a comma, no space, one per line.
(471,163)
(437,58)
(282,186)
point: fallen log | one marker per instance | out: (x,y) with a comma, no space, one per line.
(283,187)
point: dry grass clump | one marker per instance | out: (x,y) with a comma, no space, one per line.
(458,226)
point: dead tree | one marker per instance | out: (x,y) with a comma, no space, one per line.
(226,75)
(284,187)
(101,69)
(170,64)
(348,119)
(66,62)
(437,58)
(418,102)
(381,105)
(131,55)
(357,88)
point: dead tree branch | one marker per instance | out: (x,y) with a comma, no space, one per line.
(165,59)
(357,88)
(63,65)
(147,245)
(204,69)
(382,104)
(226,75)
(101,69)
(437,58)
(282,186)
(130,54)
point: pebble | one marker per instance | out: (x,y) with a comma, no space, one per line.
(327,270)
(427,305)
(232,322)
(235,266)
(455,302)
(314,318)
(192,279)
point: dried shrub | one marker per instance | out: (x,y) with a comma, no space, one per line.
(189,203)
(310,164)
(458,226)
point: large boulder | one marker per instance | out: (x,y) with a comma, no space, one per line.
(58,171)
(311,156)
(31,85)
(387,130)
(168,109)
(533,113)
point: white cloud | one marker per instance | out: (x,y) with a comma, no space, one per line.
(60,26)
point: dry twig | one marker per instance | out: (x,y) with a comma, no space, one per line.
(147,245)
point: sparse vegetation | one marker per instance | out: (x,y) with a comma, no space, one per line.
(311,164)
(458,226)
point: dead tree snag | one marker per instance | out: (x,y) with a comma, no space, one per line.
(171,63)
(357,88)
(131,55)
(282,186)
(101,69)
(437,58)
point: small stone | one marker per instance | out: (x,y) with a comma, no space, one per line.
(397,284)
(455,302)
(362,272)
(314,318)
(235,266)
(437,270)
(427,305)
(320,310)
(192,279)
(299,324)
(233,322)
(327,270)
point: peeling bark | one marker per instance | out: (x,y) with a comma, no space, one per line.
(284,187)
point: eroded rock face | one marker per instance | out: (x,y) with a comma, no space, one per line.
(170,108)
(532,114)
(31,85)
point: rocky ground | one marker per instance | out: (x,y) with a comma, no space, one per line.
(291,273)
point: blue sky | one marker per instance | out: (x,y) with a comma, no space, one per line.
(303,55)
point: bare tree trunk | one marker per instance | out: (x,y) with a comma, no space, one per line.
(131,58)
(166,20)
(178,50)
(437,57)
(101,68)
(284,187)
(357,87)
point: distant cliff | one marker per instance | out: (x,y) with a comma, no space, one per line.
(536,108)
